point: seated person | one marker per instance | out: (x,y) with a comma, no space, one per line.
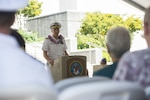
(103,61)
(118,42)
(135,66)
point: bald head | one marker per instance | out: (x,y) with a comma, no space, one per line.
(118,41)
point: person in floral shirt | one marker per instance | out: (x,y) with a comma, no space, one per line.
(135,66)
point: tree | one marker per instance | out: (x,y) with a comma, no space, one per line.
(96,25)
(33,9)
(133,23)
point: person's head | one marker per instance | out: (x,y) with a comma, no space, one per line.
(7,19)
(8,8)
(55,27)
(147,26)
(118,42)
(103,61)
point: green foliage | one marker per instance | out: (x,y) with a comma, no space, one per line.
(30,37)
(98,23)
(133,24)
(84,40)
(33,9)
(95,26)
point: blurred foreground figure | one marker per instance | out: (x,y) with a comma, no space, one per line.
(135,66)
(19,38)
(18,71)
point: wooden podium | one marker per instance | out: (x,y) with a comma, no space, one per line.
(69,66)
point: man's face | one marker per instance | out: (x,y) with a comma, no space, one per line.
(55,30)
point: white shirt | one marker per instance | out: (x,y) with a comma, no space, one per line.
(18,69)
(54,50)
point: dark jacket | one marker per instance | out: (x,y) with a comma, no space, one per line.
(107,71)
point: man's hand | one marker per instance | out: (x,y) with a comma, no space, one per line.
(51,62)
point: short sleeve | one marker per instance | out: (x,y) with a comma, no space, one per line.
(45,45)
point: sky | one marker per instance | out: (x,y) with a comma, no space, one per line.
(49,6)
(105,6)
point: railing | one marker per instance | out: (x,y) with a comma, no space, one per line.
(35,50)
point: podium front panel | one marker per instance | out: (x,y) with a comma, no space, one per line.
(74,66)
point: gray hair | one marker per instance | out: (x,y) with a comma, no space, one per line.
(118,41)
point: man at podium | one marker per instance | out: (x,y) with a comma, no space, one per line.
(54,46)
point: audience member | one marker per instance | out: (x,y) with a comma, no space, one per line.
(118,42)
(102,64)
(18,70)
(135,66)
(103,61)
